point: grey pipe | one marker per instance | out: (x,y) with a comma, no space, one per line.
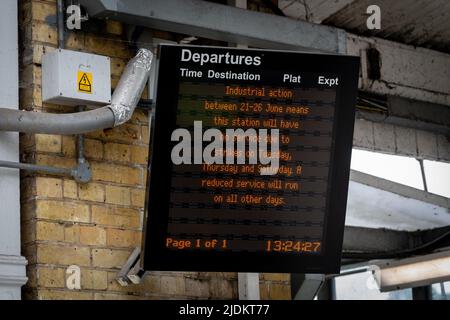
(51,123)
(60,17)
(33,167)
(123,102)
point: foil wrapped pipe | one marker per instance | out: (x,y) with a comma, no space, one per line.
(123,102)
(130,86)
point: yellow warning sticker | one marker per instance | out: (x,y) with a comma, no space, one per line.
(84,82)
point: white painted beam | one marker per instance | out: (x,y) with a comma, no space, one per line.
(12,264)
(248,286)
(374,202)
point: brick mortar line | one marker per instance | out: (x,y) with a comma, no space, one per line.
(83,202)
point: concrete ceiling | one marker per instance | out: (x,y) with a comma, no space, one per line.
(424,23)
(312,10)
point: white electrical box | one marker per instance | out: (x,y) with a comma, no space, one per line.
(76,78)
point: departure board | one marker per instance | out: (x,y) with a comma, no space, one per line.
(250,160)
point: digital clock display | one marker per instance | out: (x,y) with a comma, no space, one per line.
(278,216)
(293,246)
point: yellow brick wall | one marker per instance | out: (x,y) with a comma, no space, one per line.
(96,225)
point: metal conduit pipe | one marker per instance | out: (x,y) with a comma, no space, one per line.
(60,17)
(123,102)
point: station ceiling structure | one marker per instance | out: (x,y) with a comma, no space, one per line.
(404,74)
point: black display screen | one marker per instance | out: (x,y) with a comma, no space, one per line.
(250,160)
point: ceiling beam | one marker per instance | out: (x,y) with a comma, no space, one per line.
(221,22)
(396,69)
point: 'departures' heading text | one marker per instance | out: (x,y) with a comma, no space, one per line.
(219,58)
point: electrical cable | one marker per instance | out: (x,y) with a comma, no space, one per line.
(272,6)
